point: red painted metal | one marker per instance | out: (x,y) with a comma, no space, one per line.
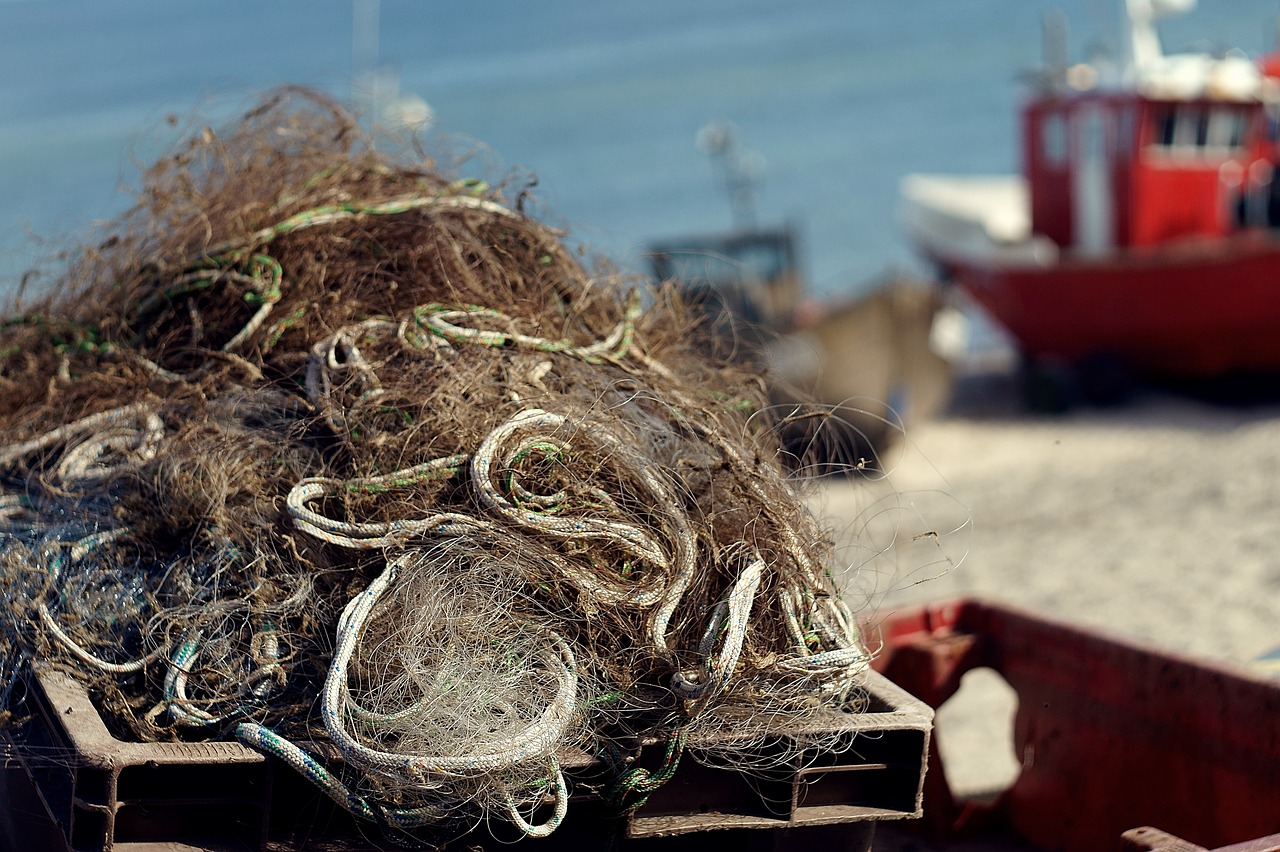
(1111,735)
(1186,283)
(1153,232)
(1159,193)
(1200,308)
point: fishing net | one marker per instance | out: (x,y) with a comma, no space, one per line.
(360,465)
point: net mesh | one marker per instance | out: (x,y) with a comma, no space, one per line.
(320,445)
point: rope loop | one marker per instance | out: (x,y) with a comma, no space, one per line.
(633,789)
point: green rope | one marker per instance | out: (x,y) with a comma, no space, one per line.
(66,336)
(429,471)
(634,788)
(271,293)
(279,329)
(261,274)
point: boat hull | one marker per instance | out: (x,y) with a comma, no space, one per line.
(1199,310)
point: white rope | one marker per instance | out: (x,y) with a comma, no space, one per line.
(629,538)
(76,551)
(382,534)
(671,573)
(737,609)
(557,816)
(536,743)
(84,463)
(340,353)
(148,430)
(51,624)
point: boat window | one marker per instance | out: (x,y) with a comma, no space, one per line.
(1053,139)
(1189,124)
(1165,126)
(1202,128)
(1194,131)
(1227,129)
(1093,136)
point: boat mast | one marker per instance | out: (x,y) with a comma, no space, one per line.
(1054,32)
(738,169)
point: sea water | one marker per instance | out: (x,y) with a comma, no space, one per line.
(832,102)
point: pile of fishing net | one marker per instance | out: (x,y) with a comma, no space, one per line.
(361,466)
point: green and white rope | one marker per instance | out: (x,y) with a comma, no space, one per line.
(441,321)
(268,742)
(15,511)
(731,619)
(544,829)
(350,211)
(382,534)
(264,291)
(175,685)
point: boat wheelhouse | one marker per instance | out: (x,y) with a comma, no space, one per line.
(1143,229)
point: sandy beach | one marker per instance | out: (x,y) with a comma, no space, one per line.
(1155,521)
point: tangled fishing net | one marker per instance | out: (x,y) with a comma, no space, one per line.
(361,466)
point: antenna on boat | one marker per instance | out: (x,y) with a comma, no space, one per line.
(375,89)
(365,15)
(740,169)
(1054,30)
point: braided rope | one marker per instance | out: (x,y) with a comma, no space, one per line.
(264,650)
(55,630)
(175,686)
(638,548)
(378,535)
(557,816)
(76,551)
(537,742)
(83,463)
(627,537)
(340,352)
(268,742)
(14,510)
(439,320)
(730,618)
(634,788)
(149,430)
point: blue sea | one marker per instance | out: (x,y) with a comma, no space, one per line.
(832,101)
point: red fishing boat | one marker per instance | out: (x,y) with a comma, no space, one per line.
(1144,233)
